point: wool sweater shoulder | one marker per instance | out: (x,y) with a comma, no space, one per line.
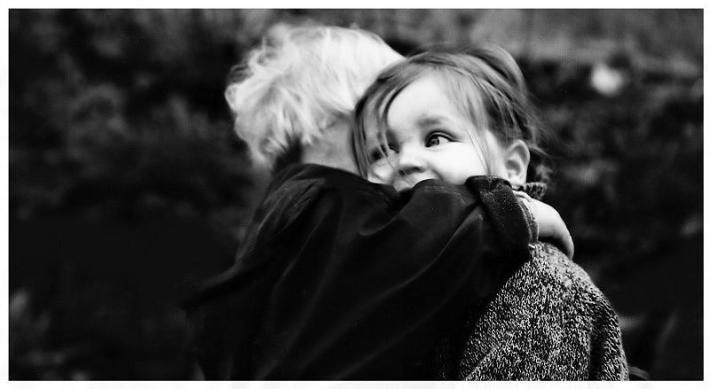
(548,322)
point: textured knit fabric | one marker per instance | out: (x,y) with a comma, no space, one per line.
(548,322)
(534,189)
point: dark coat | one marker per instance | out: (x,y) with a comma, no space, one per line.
(340,278)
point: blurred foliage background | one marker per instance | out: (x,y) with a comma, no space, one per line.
(126,180)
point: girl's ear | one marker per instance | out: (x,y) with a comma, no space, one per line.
(516,158)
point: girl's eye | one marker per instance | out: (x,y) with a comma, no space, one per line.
(436,139)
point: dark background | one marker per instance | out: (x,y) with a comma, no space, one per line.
(126,180)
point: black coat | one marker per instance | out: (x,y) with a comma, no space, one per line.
(339,278)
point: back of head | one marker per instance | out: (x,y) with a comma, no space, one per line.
(484,82)
(300,82)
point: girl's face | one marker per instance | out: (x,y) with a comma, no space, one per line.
(428,138)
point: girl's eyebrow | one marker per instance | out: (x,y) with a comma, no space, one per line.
(431,119)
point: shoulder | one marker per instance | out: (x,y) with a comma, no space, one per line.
(552,290)
(549,321)
(303,195)
(307,179)
(550,275)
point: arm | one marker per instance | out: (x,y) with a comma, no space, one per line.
(546,223)
(397,279)
(356,282)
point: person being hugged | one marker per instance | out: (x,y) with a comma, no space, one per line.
(448,116)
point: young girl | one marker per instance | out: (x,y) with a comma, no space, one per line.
(447,117)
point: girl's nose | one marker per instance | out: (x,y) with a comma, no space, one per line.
(409,161)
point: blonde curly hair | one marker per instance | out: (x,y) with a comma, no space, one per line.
(299,82)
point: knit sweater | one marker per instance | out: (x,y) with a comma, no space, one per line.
(548,322)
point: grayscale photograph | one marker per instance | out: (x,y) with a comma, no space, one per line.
(355,194)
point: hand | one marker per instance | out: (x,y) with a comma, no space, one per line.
(551,226)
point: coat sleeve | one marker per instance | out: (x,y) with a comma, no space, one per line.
(548,322)
(352,283)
